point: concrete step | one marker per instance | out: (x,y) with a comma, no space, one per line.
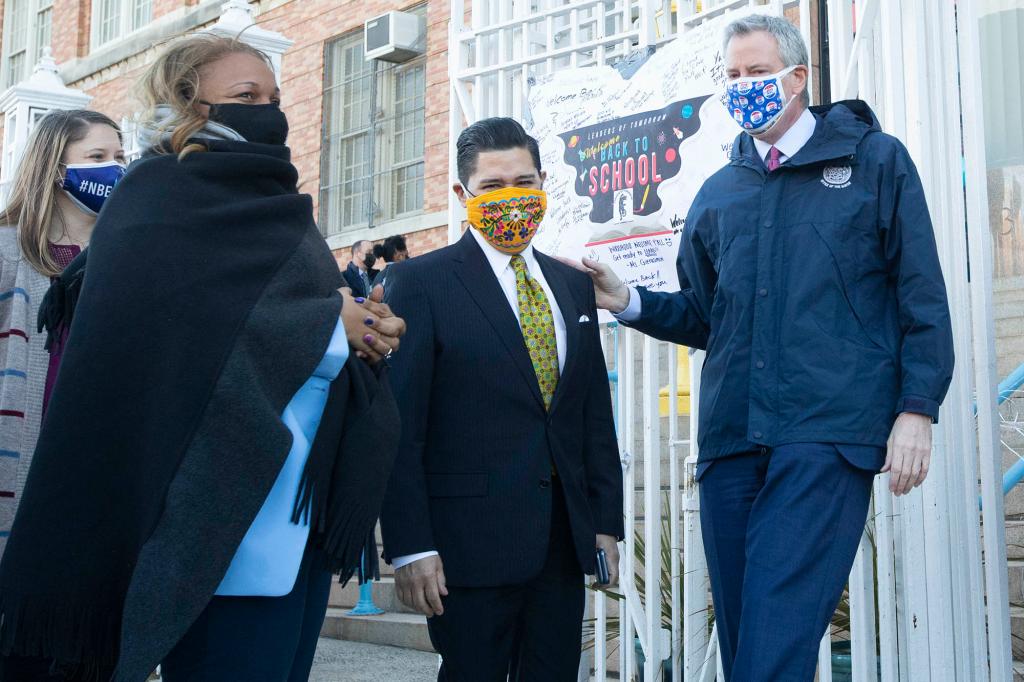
(1015,540)
(1008,288)
(384,596)
(403,630)
(1018,671)
(1015,570)
(1017,631)
(1003,310)
(1008,327)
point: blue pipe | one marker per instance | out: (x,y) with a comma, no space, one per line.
(1013,381)
(613,374)
(365,607)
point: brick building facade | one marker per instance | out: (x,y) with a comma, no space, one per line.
(103,46)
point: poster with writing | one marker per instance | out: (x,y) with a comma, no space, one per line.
(625,157)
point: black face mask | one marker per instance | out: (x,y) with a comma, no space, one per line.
(370,259)
(263,123)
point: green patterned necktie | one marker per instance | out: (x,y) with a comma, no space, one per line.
(538,325)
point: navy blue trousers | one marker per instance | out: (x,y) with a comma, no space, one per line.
(781,528)
(255,639)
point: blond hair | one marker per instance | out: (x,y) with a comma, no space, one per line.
(32,205)
(173,81)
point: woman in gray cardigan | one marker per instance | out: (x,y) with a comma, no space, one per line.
(71,164)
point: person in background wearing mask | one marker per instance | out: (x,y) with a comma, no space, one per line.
(808,271)
(508,478)
(71,164)
(393,250)
(360,273)
(214,448)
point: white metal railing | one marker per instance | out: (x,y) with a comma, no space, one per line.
(918,587)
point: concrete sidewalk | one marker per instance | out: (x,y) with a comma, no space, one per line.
(338,661)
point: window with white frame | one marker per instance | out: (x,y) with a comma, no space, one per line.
(114,19)
(371,169)
(27,31)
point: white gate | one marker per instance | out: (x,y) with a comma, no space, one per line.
(919,586)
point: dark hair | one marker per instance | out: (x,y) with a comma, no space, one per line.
(390,248)
(356,244)
(492,135)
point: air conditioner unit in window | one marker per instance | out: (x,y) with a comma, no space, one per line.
(395,37)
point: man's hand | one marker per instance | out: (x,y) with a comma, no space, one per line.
(611,550)
(910,452)
(611,292)
(421,585)
(372,329)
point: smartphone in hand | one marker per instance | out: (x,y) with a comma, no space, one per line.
(603,577)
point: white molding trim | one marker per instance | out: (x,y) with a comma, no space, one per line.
(416,223)
(158,31)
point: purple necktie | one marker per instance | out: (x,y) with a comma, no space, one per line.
(773,159)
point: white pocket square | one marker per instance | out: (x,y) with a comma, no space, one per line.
(584,319)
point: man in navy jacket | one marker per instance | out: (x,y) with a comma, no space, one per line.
(809,273)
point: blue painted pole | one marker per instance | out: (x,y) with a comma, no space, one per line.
(613,375)
(365,606)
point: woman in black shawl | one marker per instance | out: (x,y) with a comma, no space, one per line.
(205,367)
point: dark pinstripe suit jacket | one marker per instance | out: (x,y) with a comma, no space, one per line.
(473,478)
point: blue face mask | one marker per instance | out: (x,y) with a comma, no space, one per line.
(756,103)
(89,184)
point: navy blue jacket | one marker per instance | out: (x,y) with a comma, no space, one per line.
(354,280)
(816,291)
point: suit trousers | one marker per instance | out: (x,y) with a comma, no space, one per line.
(524,633)
(256,639)
(781,527)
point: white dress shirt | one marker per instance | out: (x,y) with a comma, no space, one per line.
(501,264)
(788,145)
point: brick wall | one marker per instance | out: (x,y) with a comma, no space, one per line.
(311,24)
(418,243)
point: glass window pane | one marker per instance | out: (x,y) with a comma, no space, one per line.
(109,20)
(15,68)
(345,164)
(360,175)
(142,13)
(17,36)
(44,29)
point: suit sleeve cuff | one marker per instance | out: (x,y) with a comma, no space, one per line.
(633,308)
(919,405)
(399,562)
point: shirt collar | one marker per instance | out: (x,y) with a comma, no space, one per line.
(793,140)
(499,261)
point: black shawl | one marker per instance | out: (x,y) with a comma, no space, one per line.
(208,300)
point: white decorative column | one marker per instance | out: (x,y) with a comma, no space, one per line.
(25,103)
(238,20)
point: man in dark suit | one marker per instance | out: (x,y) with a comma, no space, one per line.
(359,273)
(508,477)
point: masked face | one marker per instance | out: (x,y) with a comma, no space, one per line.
(757,102)
(369,260)
(89,184)
(262,123)
(508,218)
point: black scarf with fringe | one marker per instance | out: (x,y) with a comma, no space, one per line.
(208,300)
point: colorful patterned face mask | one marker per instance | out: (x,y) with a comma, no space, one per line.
(756,103)
(508,218)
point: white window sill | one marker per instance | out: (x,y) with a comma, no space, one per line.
(415,223)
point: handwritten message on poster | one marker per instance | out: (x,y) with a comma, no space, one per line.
(625,157)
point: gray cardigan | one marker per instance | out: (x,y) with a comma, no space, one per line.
(24,363)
